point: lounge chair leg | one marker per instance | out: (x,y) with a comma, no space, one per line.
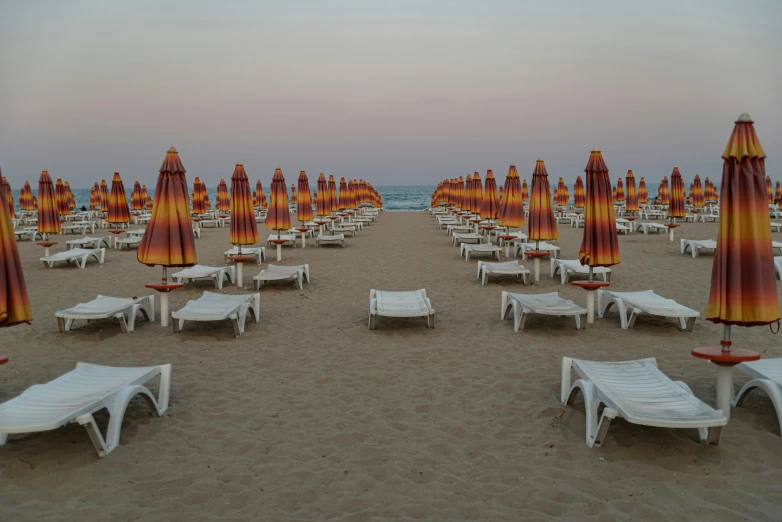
(123,323)
(691,323)
(771,388)
(432,319)
(3,439)
(61,324)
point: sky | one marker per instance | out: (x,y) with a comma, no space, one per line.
(396,92)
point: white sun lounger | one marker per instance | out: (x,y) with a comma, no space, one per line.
(457,238)
(219,307)
(75,396)
(330,239)
(91,242)
(413,303)
(78,227)
(647,302)
(507,268)
(777,245)
(776,227)
(467,250)
(30,233)
(104,307)
(76,255)
(570,267)
(696,246)
(778,264)
(296,273)
(216,273)
(259,253)
(523,247)
(641,394)
(543,304)
(766,374)
(650,227)
(127,241)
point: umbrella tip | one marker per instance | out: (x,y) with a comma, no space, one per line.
(596,149)
(172,149)
(239,164)
(744,118)
(540,159)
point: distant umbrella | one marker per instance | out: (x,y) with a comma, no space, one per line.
(541,224)
(198,201)
(204,191)
(579,198)
(600,245)
(62,198)
(104,196)
(48,214)
(490,208)
(28,203)
(620,190)
(5,187)
(14,301)
(278,217)
(512,208)
(468,193)
(223,200)
(769,190)
(148,203)
(632,196)
(643,192)
(697,192)
(676,204)
(323,201)
(243,229)
(137,197)
(95,197)
(343,194)
(118,203)
(304,202)
(562,193)
(524,191)
(778,195)
(333,202)
(664,192)
(294,197)
(71,201)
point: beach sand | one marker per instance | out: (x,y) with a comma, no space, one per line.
(311,416)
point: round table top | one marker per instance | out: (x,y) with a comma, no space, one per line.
(278,241)
(631,218)
(164,287)
(46,243)
(591,285)
(722,357)
(197,219)
(672,225)
(116,231)
(320,222)
(476,220)
(508,237)
(3,359)
(303,229)
(537,253)
(488,227)
(333,217)
(240,258)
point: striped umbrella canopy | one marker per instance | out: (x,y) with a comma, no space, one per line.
(137,197)
(436,195)
(477,194)
(294,197)
(541,224)
(620,190)
(579,198)
(244,231)
(632,196)
(676,204)
(333,201)
(562,193)
(62,198)
(556,196)
(769,190)
(118,202)
(354,193)
(600,246)
(323,201)
(278,217)
(304,203)
(28,203)
(148,203)
(95,197)
(343,194)
(104,196)
(777,195)
(48,214)
(168,240)
(14,301)
(261,195)
(71,198)
(362,190)
(697,192)
(5,187)
(223,200)
(613,192)
(257,193)
(743,282)
(198,201)
(207,203)
(490,207)
(663,192)
(512,207)
(461,190)
(468,193)
(524,191)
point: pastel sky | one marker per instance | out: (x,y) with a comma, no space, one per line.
(397,92)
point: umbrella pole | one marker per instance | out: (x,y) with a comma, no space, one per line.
(164,314)
(725,376)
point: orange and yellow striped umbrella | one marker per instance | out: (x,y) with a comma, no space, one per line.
(323,201)
(769,190)
(468,193)
(697,192)
(354,193)
(512,208)
(14,302)
(261,195)
(148,203)
(643,192)
(490,208)
(278,217)
(205,192)
(343,194)
(477,194)
(461,194)
(676,203)
(198,201)
(556,196)
(562,193)
(620,190)
(95,197)
(743,282)
(579,198)
(304,203)
(600,246)
(62,198)
(137,197)
(28,203)
(632,196)
(613,192)
(104,196)
(118,202)
(71,201)
(48,214)
(5,188)
(777,195)
(541,224)
(244,231)
(333,201)
(362,190)
(524,191)
(294,197)
(223,200)
(168,240)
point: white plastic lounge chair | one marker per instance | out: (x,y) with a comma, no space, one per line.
(259,253)
(81,228)
(696,246)
(467,250)
(75,396)
(778,264)
(29,233)
(89,242)
(470,237)
(138,232)
(297,274)
(641,394)
(507,268)
(216,273)
(343,231)
(569,267)
(76,255)
(290,239)
(647,302)
(413,303)
(330,239)
(219,307)
(523,247)
(777,245)
(127,241)
(543,304)
(766,374)
(650,227)
(104,307)
(776,227)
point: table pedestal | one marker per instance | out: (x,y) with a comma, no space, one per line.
(320,226)
(303,231)
(591,288)
(725,361)
(671,226)
(279,243)
(474,222)
(240,260)
(46,245)
(164,288)
(507,240)
(3,359)
(536,256)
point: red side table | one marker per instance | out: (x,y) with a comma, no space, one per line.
(239,260)
(536,256)
(164,288)
(725,361)
(3,359)
(303,231)
(320,224)
(591,288)
(46,245)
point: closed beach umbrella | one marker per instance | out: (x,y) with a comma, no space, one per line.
(490,208)
(477,193)
(613,192)
(71,198)
(261,195)
(205,192)
(323,201)
(223,200)
(579,198)
(278,217)
(257,193)
(5,187)
(28,203)
(664,193)
(562,192)
(333,202)
(461,194)
(697,192)
(104,196)
(14,302)
(524,191)
(137,197)
(304,203)
(48,214)
(343,194)
(777,195)
(168,240)
(632,196)
(512,208)
(62,198)
(118,202)
(198,201)
(769,190)
(294,197)
(707,190)
(95,197)
(676,203)
(556,196)
(541,224)
(643,192)
(244,231)
(148,203)
(620,190)
(468,193)
(600,245)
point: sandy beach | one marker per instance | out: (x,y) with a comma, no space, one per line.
(311,416)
